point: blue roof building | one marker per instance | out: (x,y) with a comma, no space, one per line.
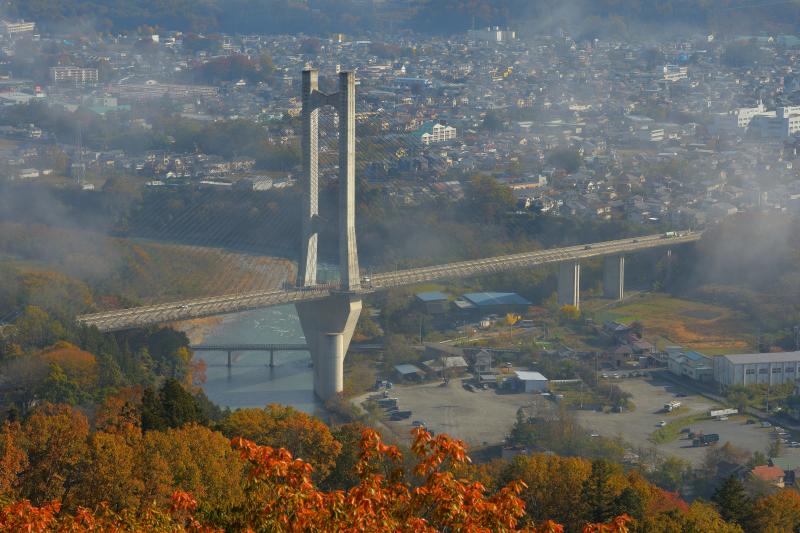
(496,299)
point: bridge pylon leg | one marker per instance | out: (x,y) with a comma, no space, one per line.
(569,283)
(229,358)
(272,358)
(614,277)
(328,325)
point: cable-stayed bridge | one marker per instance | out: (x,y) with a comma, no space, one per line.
(203,307)
(328,313)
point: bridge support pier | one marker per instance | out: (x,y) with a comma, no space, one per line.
(569,283)
(272,358)
(328,325)
(229,358)
(614,277)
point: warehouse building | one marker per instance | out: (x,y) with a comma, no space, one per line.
(749,369)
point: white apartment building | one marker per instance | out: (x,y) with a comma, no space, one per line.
(152,89)
(437,133)
(493,35)
(783,124)
(74,76)
(675,72)
(748,369)
(15,28)
(744,115)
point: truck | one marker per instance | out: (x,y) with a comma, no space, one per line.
(705,440)
(669,235)
(387,402)
(671,406)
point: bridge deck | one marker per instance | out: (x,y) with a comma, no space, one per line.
(219,305)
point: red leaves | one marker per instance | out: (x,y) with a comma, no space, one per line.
(24,517)
(617,525)
(281,496)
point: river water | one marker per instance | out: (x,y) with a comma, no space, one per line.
(250,382)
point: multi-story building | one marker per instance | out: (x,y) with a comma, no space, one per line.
(749,369)
(675,72)
(432,133)
(783,124)
(74,76)
(744,115)
(152,90)
(10,28)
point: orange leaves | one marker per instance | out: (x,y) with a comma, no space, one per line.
(280,495)
(79,365)
(617,525)
(549,527)
(22,516)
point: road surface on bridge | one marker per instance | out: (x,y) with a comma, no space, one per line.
(233,303)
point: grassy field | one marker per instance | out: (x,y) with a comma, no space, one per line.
(672,430)
(709,329)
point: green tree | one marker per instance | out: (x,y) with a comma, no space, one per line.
(172,407)
(598,492)
(488,200)
(732,502)
(565,157)
(57,387)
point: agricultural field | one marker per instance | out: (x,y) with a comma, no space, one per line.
(707,328)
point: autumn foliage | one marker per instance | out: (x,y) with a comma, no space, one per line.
(280,495)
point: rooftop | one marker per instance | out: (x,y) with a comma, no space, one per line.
(495,298)
(767,473)
(406,369)
(433,296)
(525,375)
(750,358)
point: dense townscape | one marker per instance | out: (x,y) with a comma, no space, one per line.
(576,262)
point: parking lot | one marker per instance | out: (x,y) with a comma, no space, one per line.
(485,417)
(479,418)
(649,397)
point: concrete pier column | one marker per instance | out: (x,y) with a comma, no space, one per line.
(569,283)
(328,325)
(229,359)
(348,255)
(309,142)
(614,277)
(272,358)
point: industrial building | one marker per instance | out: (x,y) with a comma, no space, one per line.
(690,364)
(749,369)
(531,381)
(494,302)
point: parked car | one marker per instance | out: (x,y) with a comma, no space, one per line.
(661,424)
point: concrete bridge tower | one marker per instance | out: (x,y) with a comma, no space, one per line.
(328,324)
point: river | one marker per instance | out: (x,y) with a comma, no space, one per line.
(250,382)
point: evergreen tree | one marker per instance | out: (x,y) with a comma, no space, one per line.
(733,503)
(598,493)
(172,407)
(629,502)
